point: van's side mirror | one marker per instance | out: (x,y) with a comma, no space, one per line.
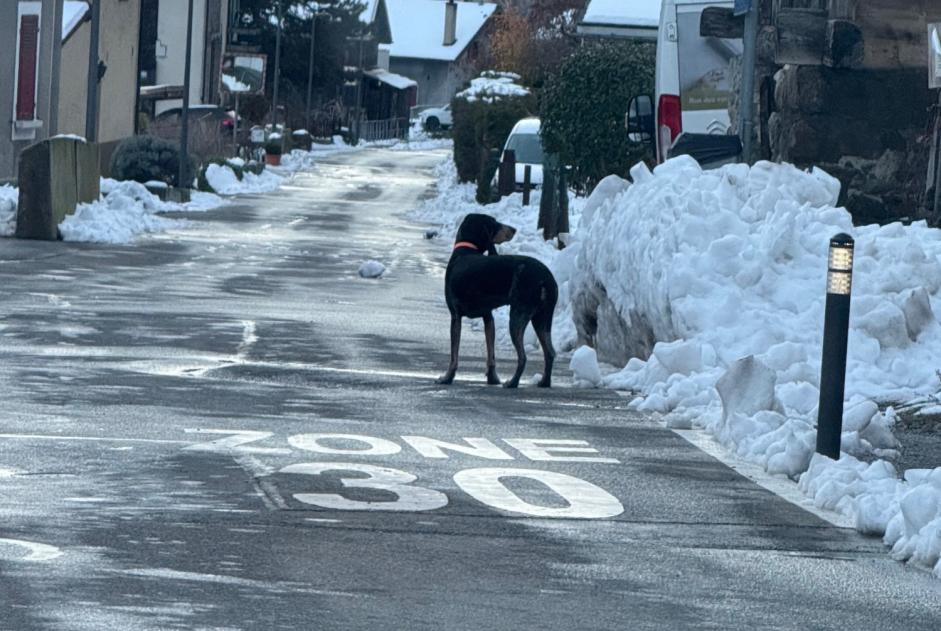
(639,119)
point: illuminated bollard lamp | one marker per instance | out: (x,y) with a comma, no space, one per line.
(835,335)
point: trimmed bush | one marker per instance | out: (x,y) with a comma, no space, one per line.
(146,158)
(583,107)
(482,121)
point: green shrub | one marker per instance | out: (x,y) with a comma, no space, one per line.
(583,107)
(484,124)
(274,145)
(146,158)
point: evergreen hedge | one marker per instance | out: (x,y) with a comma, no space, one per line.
(583,107)
(147,158)
(481,125)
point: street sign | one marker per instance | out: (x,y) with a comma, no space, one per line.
(742,7)
(934,55)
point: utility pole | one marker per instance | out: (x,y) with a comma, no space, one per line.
(749,9)
(310,65)
(91,100)
(277,71)
(185,111)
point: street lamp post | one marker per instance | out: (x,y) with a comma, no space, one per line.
(310,65)
(277,72)
(91,100)
(185,111)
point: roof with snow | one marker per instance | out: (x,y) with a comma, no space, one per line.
(418,27)
(73,12)
(623,12)
(397,81)
(621,18)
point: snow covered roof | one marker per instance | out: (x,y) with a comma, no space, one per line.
(397,81)
(623,13)
(73,11)
(418,27)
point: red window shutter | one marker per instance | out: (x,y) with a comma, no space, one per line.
(26,78)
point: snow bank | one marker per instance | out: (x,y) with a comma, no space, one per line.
(728,269)
(8,201)
(223,180)
(453,201)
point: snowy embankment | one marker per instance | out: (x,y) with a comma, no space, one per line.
(728,268)
(455,200)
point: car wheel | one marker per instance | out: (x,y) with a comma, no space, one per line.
(432,123)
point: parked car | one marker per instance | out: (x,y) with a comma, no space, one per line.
(201,114)
(692,83)
(525,142)
(436,118)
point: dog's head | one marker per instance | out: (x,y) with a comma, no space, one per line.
(483,231)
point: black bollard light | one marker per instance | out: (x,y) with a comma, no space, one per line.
(835,335)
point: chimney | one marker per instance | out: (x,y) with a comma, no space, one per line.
(450,23)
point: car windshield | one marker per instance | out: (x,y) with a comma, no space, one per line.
(528,148)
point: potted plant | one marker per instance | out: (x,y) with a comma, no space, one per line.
(273,150)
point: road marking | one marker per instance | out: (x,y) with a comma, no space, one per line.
(37,551)
(782,487)
(228,580)
(93,439)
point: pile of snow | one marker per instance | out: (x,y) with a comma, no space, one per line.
(223,180)
(8,200)
(125,210)
(728,268)
(584,365)
(372,269)
(491,86)
(454,200)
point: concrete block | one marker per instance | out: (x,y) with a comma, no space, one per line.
(55,176)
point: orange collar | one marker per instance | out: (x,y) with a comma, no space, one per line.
(465,244)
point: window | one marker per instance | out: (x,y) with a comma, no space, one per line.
(25,86)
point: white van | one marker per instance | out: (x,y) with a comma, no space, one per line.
(692,83)
(525,142)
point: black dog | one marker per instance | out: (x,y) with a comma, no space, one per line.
(475,285)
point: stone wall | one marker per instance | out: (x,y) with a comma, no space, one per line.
(867,128)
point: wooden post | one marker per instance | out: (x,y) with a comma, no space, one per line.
(527,183)
(506,182)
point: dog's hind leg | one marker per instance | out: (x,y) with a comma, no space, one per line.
(518,321)
(542,323)
(490,336)
(448,377)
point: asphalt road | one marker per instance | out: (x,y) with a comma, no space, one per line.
(226,428)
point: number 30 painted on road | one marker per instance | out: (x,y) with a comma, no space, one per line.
(585,500)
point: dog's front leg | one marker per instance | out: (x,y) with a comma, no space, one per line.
(490,336)
(448,377)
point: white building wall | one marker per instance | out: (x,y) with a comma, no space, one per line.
(171,48)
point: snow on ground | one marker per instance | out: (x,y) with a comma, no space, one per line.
(8,201)
(728,268)
(223,180)
(455,200)
(125,211)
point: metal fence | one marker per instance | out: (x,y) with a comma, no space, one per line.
(385,129)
